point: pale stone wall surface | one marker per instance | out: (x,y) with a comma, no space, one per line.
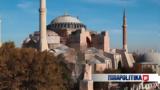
(100,67)
(53,39)
(86,85)
(106,43)
(88,72)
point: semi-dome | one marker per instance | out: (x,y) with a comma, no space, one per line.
(152,58)
(51,33)
(66,22)
(66,19)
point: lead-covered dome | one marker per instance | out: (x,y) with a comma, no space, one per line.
(66,22)
(66,19)
(152,58)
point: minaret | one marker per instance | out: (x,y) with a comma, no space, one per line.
(124,26)
(0,32)
(42,26)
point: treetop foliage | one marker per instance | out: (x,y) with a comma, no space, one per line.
(29,69)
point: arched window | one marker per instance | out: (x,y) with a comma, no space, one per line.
(55,25)
(119,65)
(71,25)
(61,25)
(74,25)
(52,26)
(89,43)
(78,25)
(65,25)
(58,25)
(68,25)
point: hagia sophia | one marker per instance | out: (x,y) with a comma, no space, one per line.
(69,31)
(68,36)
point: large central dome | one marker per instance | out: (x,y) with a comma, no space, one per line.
(152,58)
(66,19)
(66,22)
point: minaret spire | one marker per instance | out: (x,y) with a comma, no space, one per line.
(42,26)
(124,26)
(124,18)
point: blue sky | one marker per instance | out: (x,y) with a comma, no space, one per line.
(20,18)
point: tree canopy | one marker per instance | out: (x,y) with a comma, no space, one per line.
(29,69)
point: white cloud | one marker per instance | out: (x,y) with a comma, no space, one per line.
(24,5)
(117,2)
(28,6)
